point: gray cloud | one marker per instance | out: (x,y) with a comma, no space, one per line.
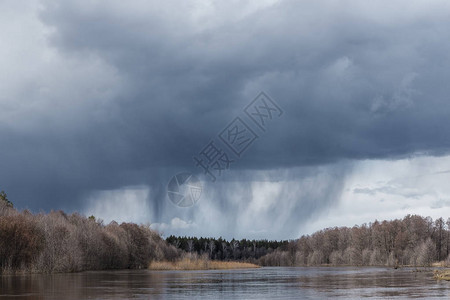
(118,94)
(440,204)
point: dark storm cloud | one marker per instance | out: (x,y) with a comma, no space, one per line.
(355,81)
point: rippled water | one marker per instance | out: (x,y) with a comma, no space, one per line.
(263,283)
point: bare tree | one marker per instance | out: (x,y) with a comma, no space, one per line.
(447,237)
(212,246)
(425,253)
(224,250)
(190,245)
(234,245)
(439,225)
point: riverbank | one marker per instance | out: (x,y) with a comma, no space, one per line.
(190,264)
(57,242)
(442,274)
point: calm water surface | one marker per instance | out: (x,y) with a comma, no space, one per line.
(263,283)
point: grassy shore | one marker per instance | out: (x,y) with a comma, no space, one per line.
(199,264)
(442,274)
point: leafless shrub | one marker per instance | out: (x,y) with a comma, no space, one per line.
(21,241)
(336,258)
(315,258)
(425,253)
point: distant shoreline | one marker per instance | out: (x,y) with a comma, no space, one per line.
(192,264)
(188,264)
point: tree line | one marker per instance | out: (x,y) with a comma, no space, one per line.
(221,249)
(58,242)
(412,241)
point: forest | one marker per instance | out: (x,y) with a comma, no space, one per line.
(411,241)
(221,249)
(60,242)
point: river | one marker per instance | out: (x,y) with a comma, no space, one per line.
(263,283)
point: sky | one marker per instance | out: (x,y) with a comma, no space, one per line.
(103,102)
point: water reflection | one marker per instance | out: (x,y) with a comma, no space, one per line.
(274,283)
